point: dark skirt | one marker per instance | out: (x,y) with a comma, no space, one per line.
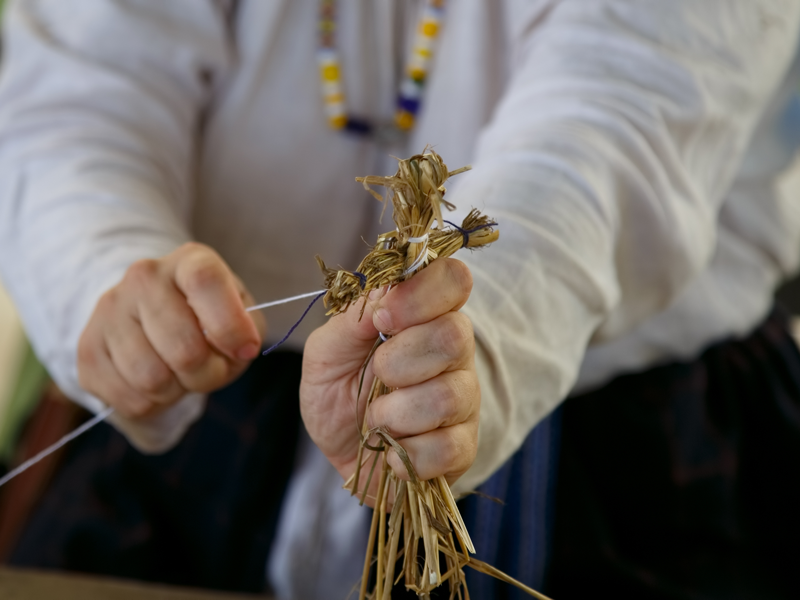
(684,481)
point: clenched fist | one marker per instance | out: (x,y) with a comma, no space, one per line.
(429,362)
(171,326)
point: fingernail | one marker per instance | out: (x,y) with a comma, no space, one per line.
(248,352)
(383,320)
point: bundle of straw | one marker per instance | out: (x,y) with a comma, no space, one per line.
(410,511)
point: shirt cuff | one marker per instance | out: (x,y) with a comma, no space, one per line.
(161,432)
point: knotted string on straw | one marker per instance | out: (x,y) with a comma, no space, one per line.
(106,412)
(362,279)
(465,232)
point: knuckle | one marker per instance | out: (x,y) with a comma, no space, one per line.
(450,453)
(460,455)
(141,273)
(381,362)
(107,303)
(455,335)
(204,276)
(460,276)
(187,357)
(152,377)
(202,269)
(444,401)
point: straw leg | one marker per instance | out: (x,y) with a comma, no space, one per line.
(394,540)
(383,493)
(371,542)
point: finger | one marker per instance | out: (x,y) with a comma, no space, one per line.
(256,316)
(449,399)
(212,293)
(442,287)
(339,348)
(423,351)
(139,364)
(99,376)
(175,334)
(356,323)
(449,452)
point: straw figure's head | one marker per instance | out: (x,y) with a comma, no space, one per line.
(421,234)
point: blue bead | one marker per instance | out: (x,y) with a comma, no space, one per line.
(408,104)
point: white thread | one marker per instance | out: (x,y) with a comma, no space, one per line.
(423,255)
(418,240)
(99,417)
(103,414)
(284,301)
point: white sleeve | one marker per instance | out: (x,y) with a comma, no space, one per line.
(605,164)
(99,109)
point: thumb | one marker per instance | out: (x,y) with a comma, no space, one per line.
(342,344)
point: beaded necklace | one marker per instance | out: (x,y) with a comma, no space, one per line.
(411,87)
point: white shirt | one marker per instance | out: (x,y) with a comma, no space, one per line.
(636,155)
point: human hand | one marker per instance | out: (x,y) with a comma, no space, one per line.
(429,362)
(171,326)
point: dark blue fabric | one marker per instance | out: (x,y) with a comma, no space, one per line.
(515,536)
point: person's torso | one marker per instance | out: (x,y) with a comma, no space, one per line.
(276,183)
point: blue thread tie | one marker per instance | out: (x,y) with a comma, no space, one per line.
(362,279)
(465,232)
(286,337)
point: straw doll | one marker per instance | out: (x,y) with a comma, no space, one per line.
(415,520)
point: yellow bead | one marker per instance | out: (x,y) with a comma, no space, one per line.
(429,28)
(404,119)
(330,72)
(417,74)
(338,121)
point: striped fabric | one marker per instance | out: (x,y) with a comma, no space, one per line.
(515,537)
